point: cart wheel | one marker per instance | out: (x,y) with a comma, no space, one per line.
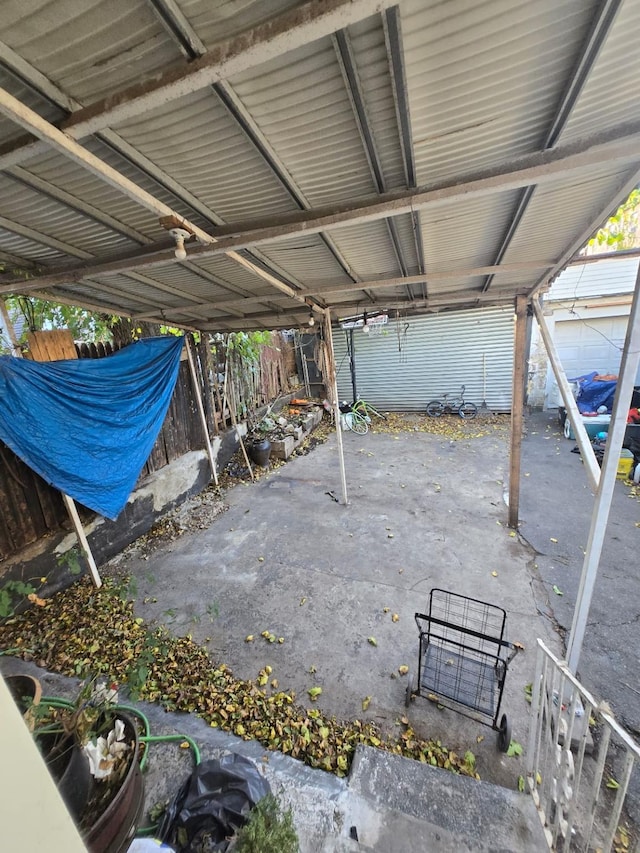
(408,696)
(504,734)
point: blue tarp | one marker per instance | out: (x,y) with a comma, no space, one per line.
(87,426)
(594,393)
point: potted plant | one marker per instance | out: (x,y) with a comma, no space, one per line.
(260,446)
(91,748)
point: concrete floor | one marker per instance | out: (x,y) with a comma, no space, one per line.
(424,512)
(285,558)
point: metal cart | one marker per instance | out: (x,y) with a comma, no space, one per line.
(463,658)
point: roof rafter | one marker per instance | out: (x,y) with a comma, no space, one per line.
(395,54)
(346,60)
(618,145)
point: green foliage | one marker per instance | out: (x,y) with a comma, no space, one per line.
(42,314)
(138,671)
(11,594)
(247,344)
(622,230)
(70,559)
(268,829)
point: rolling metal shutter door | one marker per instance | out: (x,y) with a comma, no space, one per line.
(439,353)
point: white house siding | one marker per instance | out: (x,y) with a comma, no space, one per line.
(587,310)
(417,359)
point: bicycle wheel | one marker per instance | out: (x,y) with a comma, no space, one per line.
(435,409)
(468,410)
(358,424)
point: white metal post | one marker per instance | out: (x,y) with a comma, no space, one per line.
(332,381)
(582,439)
(602,505)
(203,417)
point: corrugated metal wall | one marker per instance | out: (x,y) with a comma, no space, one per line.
(419,358)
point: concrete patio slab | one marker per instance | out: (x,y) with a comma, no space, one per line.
(285,558)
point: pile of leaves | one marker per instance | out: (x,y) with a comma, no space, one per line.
(86,631)
(451,427)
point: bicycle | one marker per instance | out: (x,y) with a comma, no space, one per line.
(448,405)
(366,409)
(353,419)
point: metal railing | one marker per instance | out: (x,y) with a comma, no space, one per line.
(579,797)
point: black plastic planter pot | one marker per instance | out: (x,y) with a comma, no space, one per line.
(260,451)
(69,768)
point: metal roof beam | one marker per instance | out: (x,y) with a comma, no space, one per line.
(17,261)
(347,63)
(618,145)
(598,33)
(189,40)
(21,114)
(395,54)
(178,27)
(244,119)
(600,29)
(375,284)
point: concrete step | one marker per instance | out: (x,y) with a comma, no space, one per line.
(404,806)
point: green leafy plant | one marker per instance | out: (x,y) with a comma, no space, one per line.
(11,594)
(70,559)
(268,829)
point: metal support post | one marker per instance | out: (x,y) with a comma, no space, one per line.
(582,439)
(332,382)
(517,410)
(602,505)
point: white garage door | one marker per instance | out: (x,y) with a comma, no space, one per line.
(587,346)
(597,345)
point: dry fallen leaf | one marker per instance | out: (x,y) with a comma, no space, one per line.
(494,574)
(403,670)
(395,617)
(365,702)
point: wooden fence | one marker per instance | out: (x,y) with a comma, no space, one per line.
(30,508)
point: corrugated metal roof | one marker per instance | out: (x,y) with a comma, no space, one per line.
(90,48)
(610,95)
(310,133)
(484,78)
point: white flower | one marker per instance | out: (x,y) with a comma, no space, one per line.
(105,754)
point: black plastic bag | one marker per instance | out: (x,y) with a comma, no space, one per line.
(213,804)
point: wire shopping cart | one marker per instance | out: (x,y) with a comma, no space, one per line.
(463,658)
